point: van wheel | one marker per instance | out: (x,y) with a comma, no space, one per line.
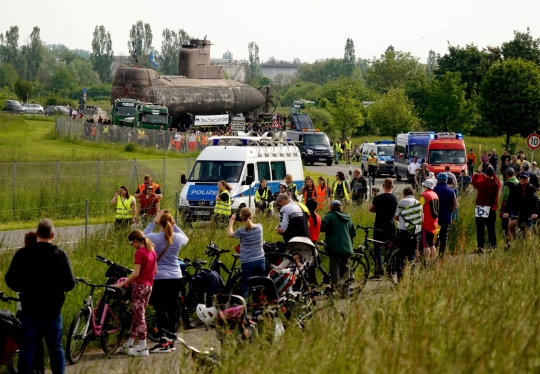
(329,163)
(311,163)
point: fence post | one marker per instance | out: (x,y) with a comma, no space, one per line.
(86,226)
(98,166)
(176,203)
(164,176)
(133,174)
(13,178)
(57,179)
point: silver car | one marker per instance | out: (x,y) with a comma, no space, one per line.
(33,108)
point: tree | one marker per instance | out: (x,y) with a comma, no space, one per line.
(8,75)
(447,109)
(254,68)
(228,55)
(140,41)
(32,53)
(347,114)
(170,49)
(510,98)
(84,72)
(9,46)
(281,80)
(470,62)
(345,86)
(62,80)
(431,65)
(24,90)
(394,69)
(364,65)
(349,59)
(523,46)
(393,114)
(320,72)
(297,91)
(322,119)
(102,53)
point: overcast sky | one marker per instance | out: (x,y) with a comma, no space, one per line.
(284,29)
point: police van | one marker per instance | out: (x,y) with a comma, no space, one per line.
(384,150)
(241,161)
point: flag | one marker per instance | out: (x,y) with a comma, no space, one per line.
(152,59)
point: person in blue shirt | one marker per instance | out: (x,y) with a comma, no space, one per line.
(447,204)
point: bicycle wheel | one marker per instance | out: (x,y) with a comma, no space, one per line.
(362,250)
(78,336)
(359,271)
(113,327)
(190,319)
(235,284)
(12,365)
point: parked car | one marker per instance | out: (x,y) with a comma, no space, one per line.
(13,106)
(52,110)
(33,108)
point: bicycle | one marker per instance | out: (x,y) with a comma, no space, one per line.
(358,269)
(233,285)
(389,263)
(106,321)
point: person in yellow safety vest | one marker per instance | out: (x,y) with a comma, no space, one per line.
(323,193)
(291,187)
(263,196)
(126,207)
(341,190)
(105,132)
(337,151)
(222,210)
(373,165)
(348,150)
(141,135)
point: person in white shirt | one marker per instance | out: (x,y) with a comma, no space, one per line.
(535,170)
(412,169)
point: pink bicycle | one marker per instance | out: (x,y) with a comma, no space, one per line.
(107,321)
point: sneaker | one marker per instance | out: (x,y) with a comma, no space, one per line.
(128,350)
(143,353)
(171,346)
(161,347)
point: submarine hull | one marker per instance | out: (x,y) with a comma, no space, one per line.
(184,95)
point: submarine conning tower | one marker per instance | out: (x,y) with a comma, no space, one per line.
(194,61)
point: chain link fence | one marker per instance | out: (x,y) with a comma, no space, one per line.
(66,190)
(165,140)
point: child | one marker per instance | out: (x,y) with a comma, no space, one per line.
(141,281)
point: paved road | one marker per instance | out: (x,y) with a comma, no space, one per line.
(64,235)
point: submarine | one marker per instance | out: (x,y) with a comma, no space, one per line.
(198,89)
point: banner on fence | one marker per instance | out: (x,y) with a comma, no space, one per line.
(217,120)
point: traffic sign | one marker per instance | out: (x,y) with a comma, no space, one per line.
(533,141)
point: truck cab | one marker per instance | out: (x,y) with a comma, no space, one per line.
(241,161)
(314,146)
(122,109)
(447,149)
(384,150)
(409,145)
(150,116)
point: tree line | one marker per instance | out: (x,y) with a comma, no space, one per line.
(477,91)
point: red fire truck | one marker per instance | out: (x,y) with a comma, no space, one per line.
(446,149)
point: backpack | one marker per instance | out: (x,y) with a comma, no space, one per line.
(10,335)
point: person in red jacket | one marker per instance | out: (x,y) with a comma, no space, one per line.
(430,209)
(487,200)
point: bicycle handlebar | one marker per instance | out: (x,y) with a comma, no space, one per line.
(7,299)
(367,228)
(110,263)
(108,287)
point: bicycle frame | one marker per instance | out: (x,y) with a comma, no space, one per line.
(97,329)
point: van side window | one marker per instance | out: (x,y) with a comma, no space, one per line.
(251,171)
(278,170)
(263,169)
(400,150)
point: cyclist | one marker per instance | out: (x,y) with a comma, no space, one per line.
(522,204)
(384,206)
(168,281)
(340,232)
(447,205)
(430,210)
(409,216)
(487,199)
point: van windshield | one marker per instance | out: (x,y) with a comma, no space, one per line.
(386,150)
(214,171)
(418,150)
(316,139)
(446,156)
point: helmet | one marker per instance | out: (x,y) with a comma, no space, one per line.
(207,315)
